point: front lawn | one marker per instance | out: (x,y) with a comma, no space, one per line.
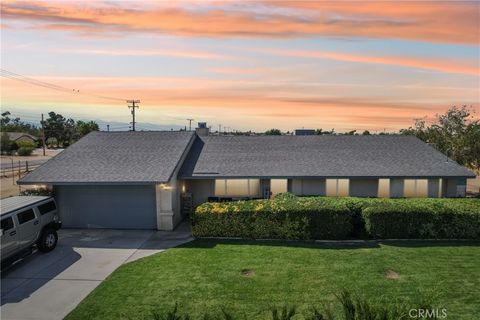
(206,276)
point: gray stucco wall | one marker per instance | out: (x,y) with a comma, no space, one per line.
(396,188)
(108,206)
(433,185)
(308,187)
(453,188)
(363,187)
(200,190)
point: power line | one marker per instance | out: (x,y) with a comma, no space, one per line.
(15,76)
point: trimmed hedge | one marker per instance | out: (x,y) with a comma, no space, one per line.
(423,219)
(284,217)
(301,218)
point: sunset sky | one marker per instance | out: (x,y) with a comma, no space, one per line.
(247,65)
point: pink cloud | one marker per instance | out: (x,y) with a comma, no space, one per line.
(453,22)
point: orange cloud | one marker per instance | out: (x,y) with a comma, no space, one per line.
(240,104)
(454,22)
(440,65)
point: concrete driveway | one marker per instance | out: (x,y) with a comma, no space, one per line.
(49,286)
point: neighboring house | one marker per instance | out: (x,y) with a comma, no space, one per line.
(21,137)
(138,179)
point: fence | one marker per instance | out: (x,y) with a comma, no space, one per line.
(17,169)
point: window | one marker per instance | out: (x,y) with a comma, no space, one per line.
(384,188)
(7,224)
(415,188)
(237,187)
(25,216)
(337,187)
(278,186)
(47,207)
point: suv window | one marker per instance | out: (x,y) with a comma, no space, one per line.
(25,216)
(47,207)
(7,224)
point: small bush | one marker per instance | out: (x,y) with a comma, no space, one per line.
(37,192)
(24,151)
(423,219)
(26,144)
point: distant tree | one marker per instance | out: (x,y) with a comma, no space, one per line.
(273,132)
(350,133)
(60,128)
(455,133)
(322,132)
(83,128)
(366,133)
(7,146)
(8,124)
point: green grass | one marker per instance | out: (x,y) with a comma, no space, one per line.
(204,276)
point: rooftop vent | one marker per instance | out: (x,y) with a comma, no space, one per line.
(202,129)
(304,132)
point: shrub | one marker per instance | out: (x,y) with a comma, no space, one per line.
(7,146)
(23,151)
(423,219)
(37,192)
(284,217)
(289,217)
(26,144)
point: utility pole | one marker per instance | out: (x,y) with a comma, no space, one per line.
(133,106)
(190,124)
(108,128)
(219,128)
(43,136)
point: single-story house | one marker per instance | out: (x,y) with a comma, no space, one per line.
(143,180)
(21,137)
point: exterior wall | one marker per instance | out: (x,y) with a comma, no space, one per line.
(107,206)
(165,203)
(363,187)
(396,188)
(434,188)
(200,190)
(454,188)
(168,198)
(308,187)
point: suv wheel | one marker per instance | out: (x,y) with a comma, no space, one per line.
(48,240)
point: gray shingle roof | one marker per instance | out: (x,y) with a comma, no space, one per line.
(317,156)
(115,157)
(17,135)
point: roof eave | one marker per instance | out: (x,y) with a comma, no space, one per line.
(71,183)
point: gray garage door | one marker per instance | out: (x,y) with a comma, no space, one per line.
(112,207)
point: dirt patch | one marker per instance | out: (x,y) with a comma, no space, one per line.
(390,274)
(247,273)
